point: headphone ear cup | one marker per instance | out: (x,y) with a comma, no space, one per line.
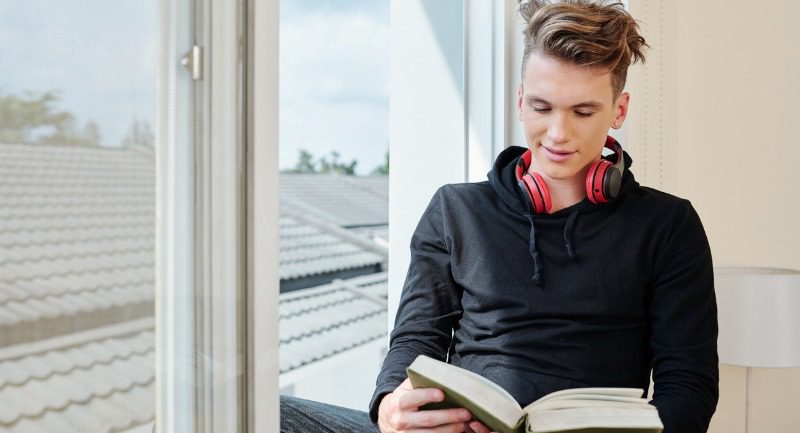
(595,181)
(612,183)
(537,192)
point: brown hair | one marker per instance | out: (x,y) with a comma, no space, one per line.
(596,34)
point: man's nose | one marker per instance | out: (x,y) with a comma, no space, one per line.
(559,129)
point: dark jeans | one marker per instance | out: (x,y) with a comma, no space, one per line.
(306,416)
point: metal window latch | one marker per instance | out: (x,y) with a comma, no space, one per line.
(193,62)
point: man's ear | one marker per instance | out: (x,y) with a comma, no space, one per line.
(621,110)
(519,102)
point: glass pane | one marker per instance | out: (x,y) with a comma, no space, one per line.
(77,173)
(334,113)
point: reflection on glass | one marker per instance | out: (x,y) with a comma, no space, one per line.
(77,105)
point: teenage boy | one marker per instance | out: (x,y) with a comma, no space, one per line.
(560,271)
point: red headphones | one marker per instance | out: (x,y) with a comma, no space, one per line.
(603,181)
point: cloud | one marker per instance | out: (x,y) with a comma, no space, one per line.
(294,9)
(334,86)
(101,57)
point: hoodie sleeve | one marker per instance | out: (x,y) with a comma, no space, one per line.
(683,321)
(430,304)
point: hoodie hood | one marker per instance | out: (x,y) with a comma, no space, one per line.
(503,180)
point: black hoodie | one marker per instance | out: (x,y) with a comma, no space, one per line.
(591,295)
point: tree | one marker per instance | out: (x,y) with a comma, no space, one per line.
(139,134)
(382,170)
(33,119)
(325,165)
(305,163)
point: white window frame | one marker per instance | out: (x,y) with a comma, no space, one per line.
(174,222)
(262,217)
(217,218)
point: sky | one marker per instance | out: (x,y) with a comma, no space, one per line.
(334,80)
(99,55)
(101,58)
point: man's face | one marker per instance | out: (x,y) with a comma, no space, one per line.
(566,111)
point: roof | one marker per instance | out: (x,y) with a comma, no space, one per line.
(104,379)
(77,283)
(94,381)
(321,322)
(76,239)
(346,201)
(311,246)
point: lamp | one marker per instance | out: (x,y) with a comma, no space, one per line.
(759,319)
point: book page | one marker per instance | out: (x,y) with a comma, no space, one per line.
(623,402)
(597,419)
(591,393)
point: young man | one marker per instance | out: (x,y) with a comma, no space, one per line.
(560,271)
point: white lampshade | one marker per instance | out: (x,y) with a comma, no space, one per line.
(759,316)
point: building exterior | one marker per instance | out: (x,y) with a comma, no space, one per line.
(77,265)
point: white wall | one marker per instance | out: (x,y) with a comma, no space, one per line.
(426,119)
(450,95)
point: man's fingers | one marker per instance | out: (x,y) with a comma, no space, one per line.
(436,418)
(478,427)
(411,400)
(406,384)
(458,427)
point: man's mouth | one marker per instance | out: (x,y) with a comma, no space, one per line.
(558,152)
(558,156)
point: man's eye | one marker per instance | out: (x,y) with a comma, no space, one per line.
(541,110)
(582,114)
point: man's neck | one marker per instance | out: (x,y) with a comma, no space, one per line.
(566,192)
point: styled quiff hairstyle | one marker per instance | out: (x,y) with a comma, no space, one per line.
(594,34)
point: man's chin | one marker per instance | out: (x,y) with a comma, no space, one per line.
(558,173)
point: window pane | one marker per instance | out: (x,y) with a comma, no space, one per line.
(334,112)
(77,172)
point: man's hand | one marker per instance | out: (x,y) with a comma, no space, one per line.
(399,412)
(477,427)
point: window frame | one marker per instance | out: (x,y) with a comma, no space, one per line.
(217,175)
(174,222)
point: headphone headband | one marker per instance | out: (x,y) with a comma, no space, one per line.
(613,144)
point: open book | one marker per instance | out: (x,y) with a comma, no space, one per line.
(584,410)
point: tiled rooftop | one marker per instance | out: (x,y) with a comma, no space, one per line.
(95,381)
(346,201)
(77,278)
(318,323)
(76,239)
(103,379)
(308,249)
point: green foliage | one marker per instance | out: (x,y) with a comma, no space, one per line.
(331,164)
(139,134)
(382,170)
(334,166)
(33,119)
(306,164)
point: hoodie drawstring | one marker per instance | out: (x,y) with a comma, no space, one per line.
(536,278)
(568,228)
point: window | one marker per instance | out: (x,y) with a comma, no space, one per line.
(77,216)
(334,193)
(109,200)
